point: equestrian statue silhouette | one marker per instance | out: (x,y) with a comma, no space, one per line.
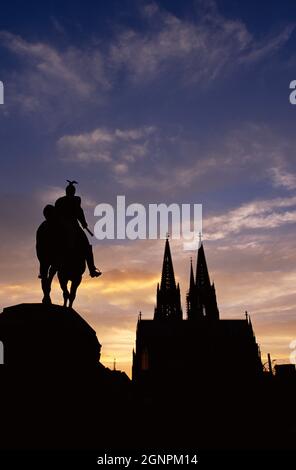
(62,246)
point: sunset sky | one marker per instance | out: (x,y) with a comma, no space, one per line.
(167,101)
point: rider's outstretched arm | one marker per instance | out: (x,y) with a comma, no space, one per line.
(80,213)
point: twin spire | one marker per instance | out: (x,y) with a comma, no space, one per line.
(168,301)
(167,275)
(201,297)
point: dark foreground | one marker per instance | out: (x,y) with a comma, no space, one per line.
(57,397)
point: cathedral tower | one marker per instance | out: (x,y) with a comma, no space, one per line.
(201,297)
(168,299)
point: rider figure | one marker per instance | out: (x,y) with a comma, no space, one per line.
(71,216)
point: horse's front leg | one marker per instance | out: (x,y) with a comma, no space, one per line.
(74,286)
(64,287)
(46,285)
(51,274)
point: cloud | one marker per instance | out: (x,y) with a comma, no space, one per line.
(48,73)
(139,158)
(268,46)
(184,51)
(283,178)
(199,49)
(247,154)
(262,214)
(119,148)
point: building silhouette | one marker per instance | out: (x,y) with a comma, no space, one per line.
(201,349)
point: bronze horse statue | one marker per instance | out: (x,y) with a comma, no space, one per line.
(63,247)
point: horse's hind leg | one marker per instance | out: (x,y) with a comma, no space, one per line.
(73,290)
(64,287)
(46,291)
(66,296)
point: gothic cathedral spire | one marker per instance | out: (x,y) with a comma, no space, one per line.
(201,298)
(168,304)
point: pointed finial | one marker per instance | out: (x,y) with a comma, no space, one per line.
(140,315)
(200,238)
(167,235)
(114,364)
(246,314)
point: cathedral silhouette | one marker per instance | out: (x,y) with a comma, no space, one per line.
(202,347)
(200,380)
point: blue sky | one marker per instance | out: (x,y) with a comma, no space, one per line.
(165,101)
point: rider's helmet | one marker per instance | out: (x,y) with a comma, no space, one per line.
(70,189)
